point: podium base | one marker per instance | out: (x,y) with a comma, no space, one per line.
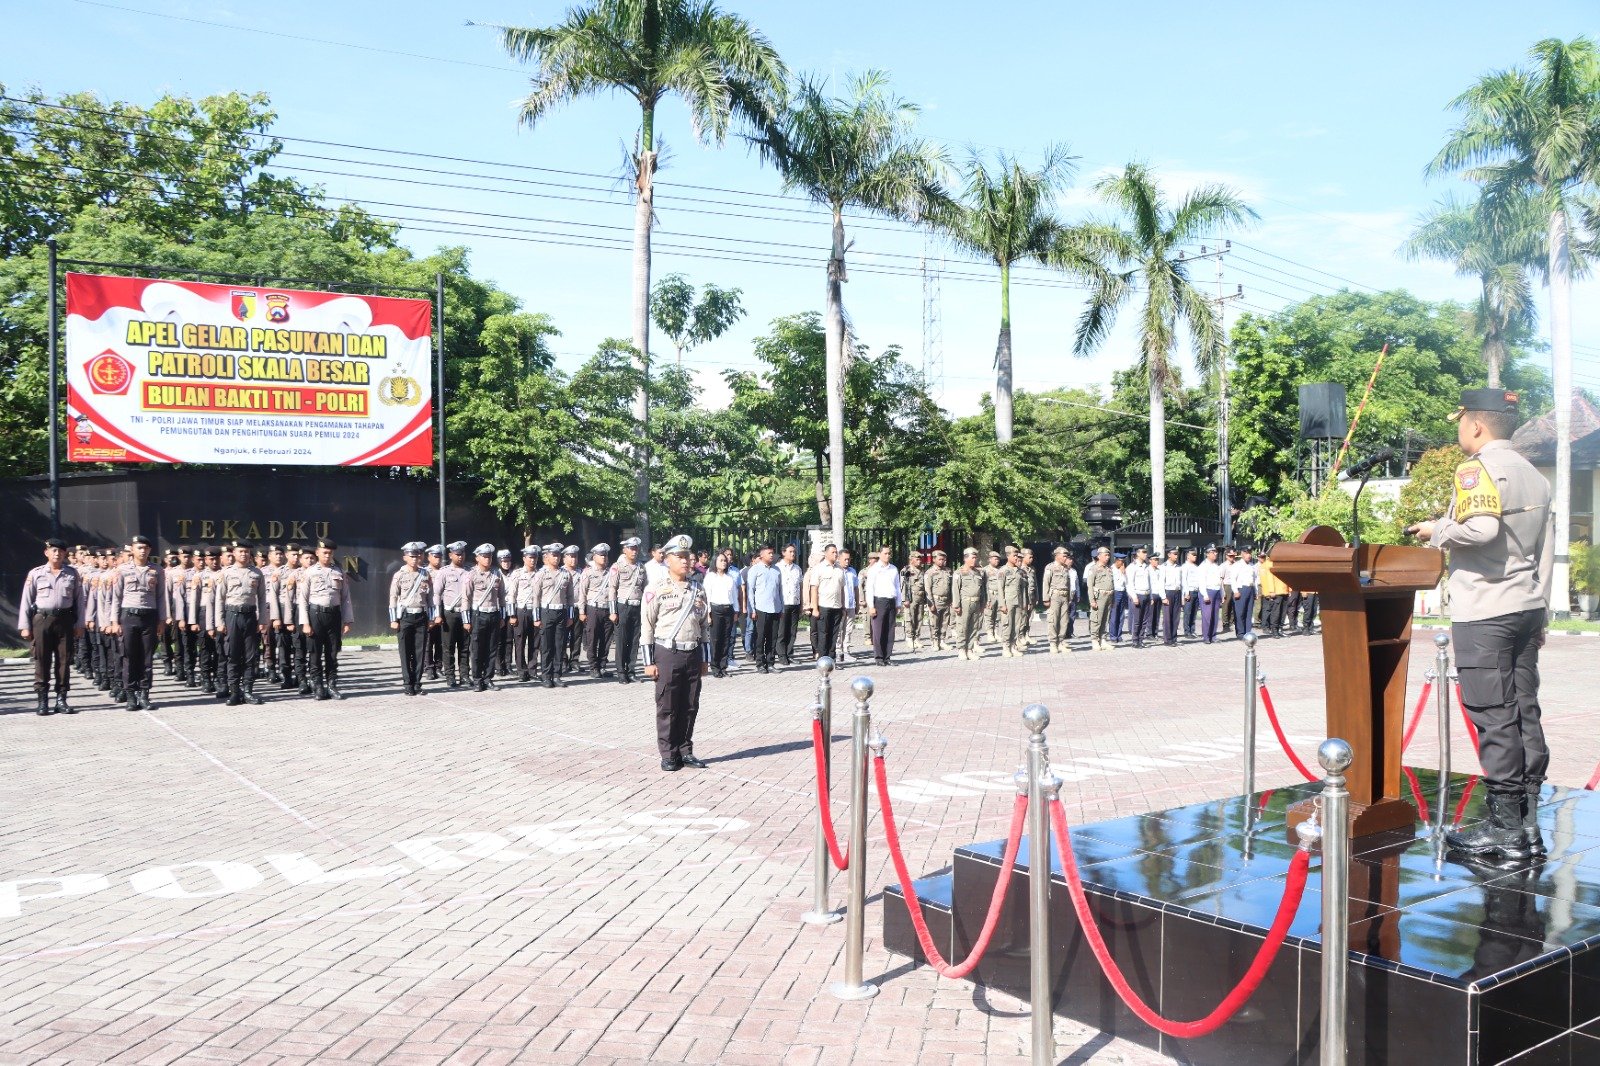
(1384,816)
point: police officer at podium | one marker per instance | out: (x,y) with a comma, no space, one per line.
(1500,535)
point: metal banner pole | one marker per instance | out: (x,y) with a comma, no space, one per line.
(1441,642)
(855,931)
(820,913)
(1251,685)
(53,393)
(438,396)
(1335,756)
(1043,788)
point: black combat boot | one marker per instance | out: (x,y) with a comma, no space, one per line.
(688,758)
(235,695)
(332,685)
(43,707)
(62,706)
(1530,817)
(132,700)
(208,683)
(144,700)
(1500,834)
(250,694)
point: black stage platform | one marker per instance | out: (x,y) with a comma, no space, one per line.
(1450,963)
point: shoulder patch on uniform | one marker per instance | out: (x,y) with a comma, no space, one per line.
(1476,492)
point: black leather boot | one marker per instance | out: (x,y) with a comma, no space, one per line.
(688,758)
(250,694)
(1500,834)
(62,706)
(144,700)
(43,708)
(235,696)
(1530,817)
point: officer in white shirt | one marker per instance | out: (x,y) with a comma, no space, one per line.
(1141,593)
(1242,577)
(1171,598)
(852,606)
(825,598)
(1210,579)
(794,600)
(880,590)
(1191,589)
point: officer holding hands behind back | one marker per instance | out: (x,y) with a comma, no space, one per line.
(676,627)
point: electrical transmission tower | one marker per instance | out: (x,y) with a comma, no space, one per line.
(932,327)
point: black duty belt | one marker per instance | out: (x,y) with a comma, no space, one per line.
(238,610)
(56,612)
(320,609)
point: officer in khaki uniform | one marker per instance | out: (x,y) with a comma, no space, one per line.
(676,629)
(1500,534)
(239,607)
(1016,603)
(1059,589)
(994,613)
(916,597)
(938,583)
(627,599)
(1100,583)
(595,607)
(325,614)
(970,591)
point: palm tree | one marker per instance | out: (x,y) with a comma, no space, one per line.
(1006,214)
(717,63)
(851,152)
(1147,247)
(1537,132)
(1496,242)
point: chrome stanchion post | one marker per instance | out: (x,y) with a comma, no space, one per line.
(1335,756)
(855,930)
(1251,685)
(1441,641)
(1043,788)
(820,913)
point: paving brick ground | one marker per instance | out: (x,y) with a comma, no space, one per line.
(469,878)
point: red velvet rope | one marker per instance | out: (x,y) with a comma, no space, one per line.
(1294,889)
(1272,716)
(997,901)
(1466,794)
(1416,715)
(840,859)
(1593,781)
(1472,730)
(1416,794)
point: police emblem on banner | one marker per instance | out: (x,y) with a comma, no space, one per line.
(397,390)
(243,302)
(277,307)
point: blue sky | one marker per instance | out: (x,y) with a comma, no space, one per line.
(1321,117)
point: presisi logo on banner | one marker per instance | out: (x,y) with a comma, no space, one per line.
(187,372)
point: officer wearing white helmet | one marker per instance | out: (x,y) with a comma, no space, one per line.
(449,583)
(676,626)
(483,609)
(412,613)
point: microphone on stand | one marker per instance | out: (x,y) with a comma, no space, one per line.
(1363,469)
(1377,458)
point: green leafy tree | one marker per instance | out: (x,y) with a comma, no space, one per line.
(718,64)
(1296,511)
(689,322)
(1006,214)
(1537,132)
(1427,494)
(1434,352)
(1147,246)
(852,152)
(1496,241)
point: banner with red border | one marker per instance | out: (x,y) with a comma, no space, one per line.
(165,371)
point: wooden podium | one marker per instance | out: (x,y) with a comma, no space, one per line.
(1367,594)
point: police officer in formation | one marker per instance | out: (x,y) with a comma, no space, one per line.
(51,617)
(676,636)
(483,608)
(413,614)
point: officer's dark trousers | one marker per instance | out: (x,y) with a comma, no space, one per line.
(722,619)
(766,645)
(485,643)
(1210,614)
(574,640)
(502,659)
(1272,613)
(552,640)
(788,632)
(1191,607)
(677,699)
(168,647)
(1291,611)
(1169,617)
(627,636)
(242,639)
(322,646)
(525,639)
(433,648)
(1139,609)
(1308,611)
(456,647)
(138,648)
(825,627)
(882,625)
(596,633)
(413,637)
(1498,659)
(1227,608)
(1244,600)
(1119,613)
(52,650)
(207,657)
(283,637)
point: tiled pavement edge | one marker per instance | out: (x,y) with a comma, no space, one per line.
(472,878)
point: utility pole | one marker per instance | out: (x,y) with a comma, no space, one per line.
(1224,488)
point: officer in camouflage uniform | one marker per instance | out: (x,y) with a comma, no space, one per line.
(994,614)
(969,591)
(676,625)
(938,585)
(1059,589)
(1500,533)
(1100,582)
(1015,603)
(916,597)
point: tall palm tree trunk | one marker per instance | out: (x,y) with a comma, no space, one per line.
(1002,362)
(835,363)
(643,215)
(1561,356)
(1158,466)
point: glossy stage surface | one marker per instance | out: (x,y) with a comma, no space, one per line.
(1451,963)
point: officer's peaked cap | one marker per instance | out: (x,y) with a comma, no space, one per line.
(632,542)
(457,545)
(679,545)
(483,549)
